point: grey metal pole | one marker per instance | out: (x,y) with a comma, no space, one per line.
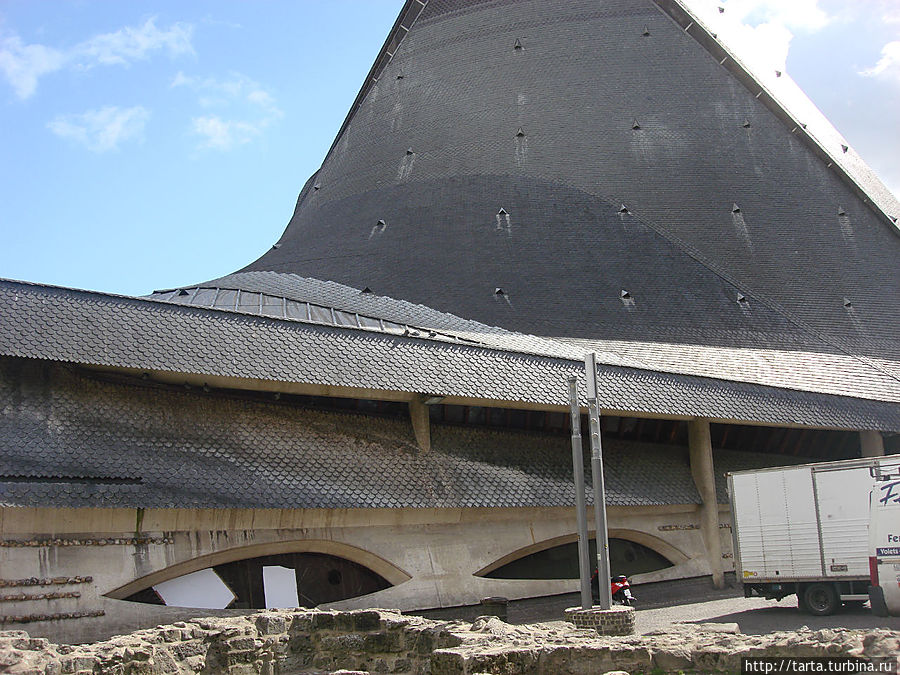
(590,365)
(584,554)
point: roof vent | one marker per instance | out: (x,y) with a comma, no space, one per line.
(777,73)
(735,208)
(501,212)
(316,186)
(378,228)
(409,151)
(520,133)
(635,125)
(625,295)
(400,75)
(721,10)
(894,218)
(841,211)
(646,32)
(624,209)
(844,147)
(742,299)
(847,303)
(802,125)
(518,46)
(746,124)
(276,245)
(182,292)
(366,290)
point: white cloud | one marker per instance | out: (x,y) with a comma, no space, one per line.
(24,64)
(888,64)
(219,134)
(760,31)
(132,44)
(103,129)
(245,109)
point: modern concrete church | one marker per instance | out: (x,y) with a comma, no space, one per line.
(373,413)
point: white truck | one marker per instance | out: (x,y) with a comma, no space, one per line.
(804,530)
(884,542)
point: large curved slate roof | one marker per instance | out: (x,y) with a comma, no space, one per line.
(598,163)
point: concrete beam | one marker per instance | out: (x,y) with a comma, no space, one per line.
(871,444)
(421,422)
(703,473)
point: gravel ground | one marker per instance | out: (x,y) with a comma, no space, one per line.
(690,600)
(756,616)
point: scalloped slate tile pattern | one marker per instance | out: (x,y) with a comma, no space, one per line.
(191,449)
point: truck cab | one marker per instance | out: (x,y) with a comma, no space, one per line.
(884,543)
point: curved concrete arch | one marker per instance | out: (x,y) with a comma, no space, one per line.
(390,572)
(664,548)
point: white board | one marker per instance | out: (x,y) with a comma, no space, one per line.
(203,589)
(280,586)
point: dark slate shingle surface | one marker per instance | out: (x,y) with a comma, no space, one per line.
(82,327)
(193,450)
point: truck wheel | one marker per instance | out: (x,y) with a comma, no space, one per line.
(820,599)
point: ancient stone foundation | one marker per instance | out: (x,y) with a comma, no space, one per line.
(376,641)
(616,620)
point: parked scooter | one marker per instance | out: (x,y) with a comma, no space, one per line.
(619,589)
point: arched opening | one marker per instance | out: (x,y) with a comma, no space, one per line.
(560,561)
(297,579)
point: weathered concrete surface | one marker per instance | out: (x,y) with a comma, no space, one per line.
(433,557)
(380,641)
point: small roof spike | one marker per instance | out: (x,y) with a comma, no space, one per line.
(735,208)
(520,133)
(646,31)
(635,125)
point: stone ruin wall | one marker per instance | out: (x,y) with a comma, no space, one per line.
(381,641)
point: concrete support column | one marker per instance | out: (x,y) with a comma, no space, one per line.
(871,444)
(702,470)
(421,422)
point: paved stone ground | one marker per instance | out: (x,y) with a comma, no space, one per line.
(660,605)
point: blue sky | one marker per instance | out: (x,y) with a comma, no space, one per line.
(153,144)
